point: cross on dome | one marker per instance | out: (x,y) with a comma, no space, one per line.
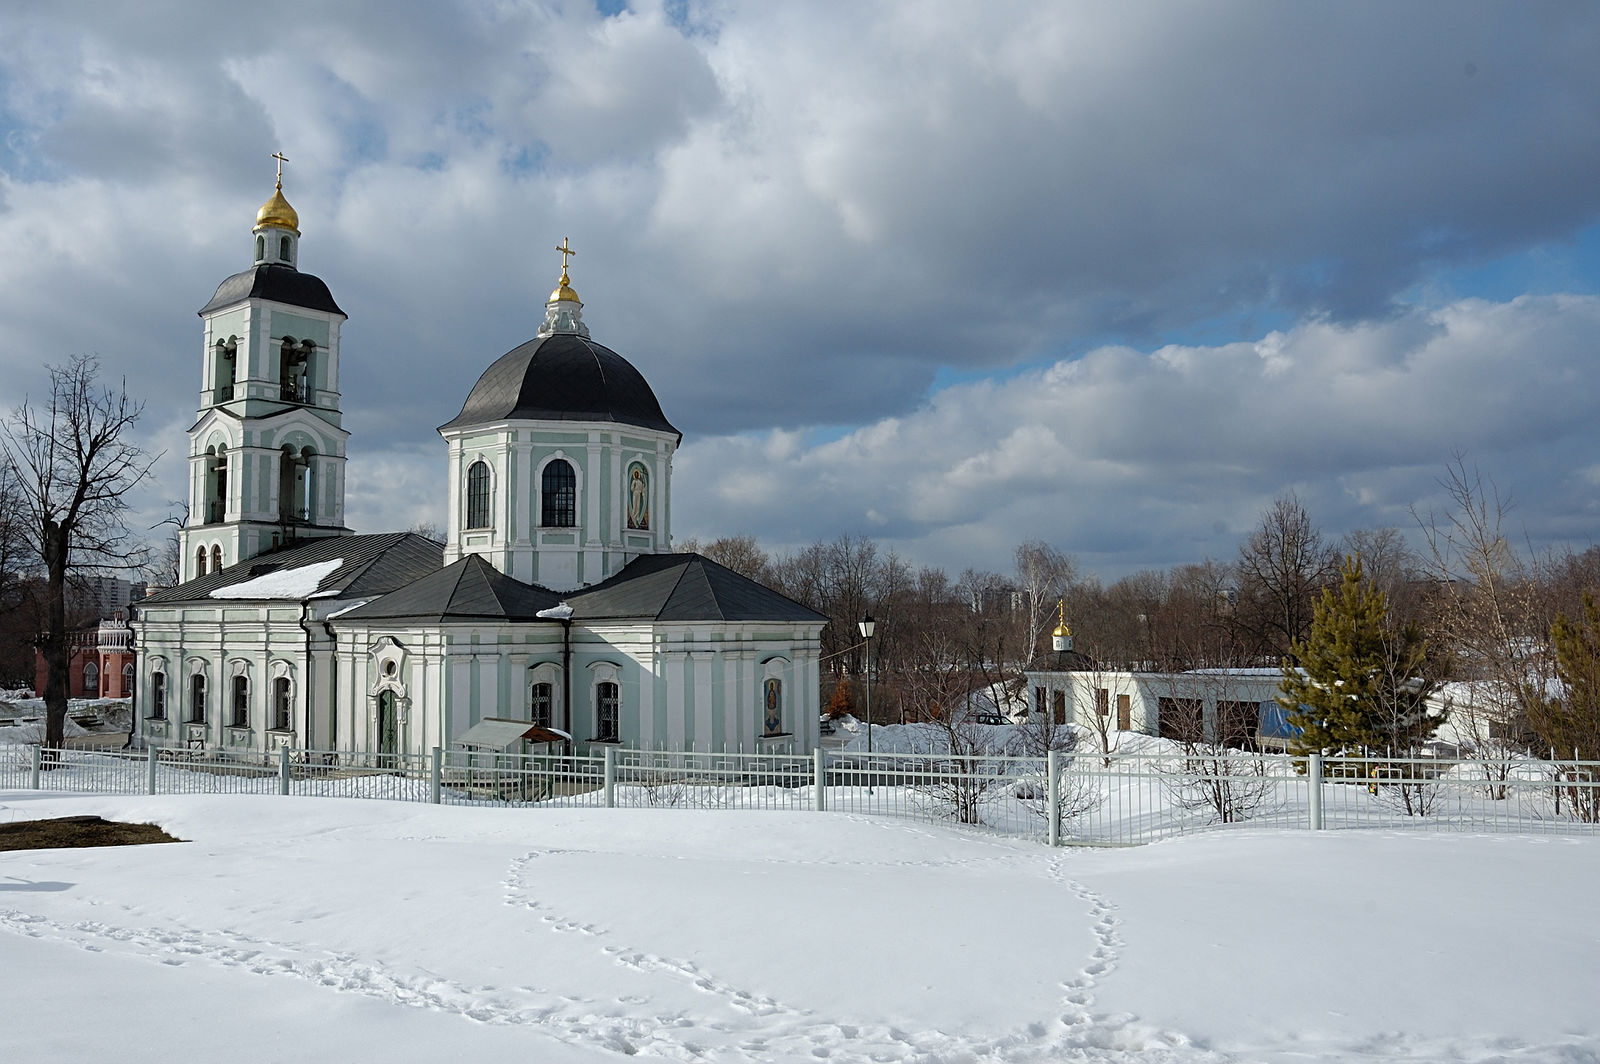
(276,212)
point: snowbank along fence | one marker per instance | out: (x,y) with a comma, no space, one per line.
(1075,798)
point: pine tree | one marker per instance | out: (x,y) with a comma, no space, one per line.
(1571,723)
(1361,683)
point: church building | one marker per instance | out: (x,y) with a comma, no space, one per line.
(555,598)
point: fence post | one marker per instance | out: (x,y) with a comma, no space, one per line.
(436,777)
(283,770)
(150,769)
(819,777)
(609,752)
(1314,781)
(38,757)
(1052,763)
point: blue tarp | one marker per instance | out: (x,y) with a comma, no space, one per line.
(1275,722)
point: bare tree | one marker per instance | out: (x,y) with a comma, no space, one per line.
(75,467)
(1044,575)
(1489,608)
(1221,770)
(427,530)
(1282,565)
(18,586)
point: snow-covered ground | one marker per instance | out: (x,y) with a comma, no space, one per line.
(293,929)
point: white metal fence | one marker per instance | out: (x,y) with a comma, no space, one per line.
(1080,798)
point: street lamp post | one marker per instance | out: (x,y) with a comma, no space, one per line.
(867,624)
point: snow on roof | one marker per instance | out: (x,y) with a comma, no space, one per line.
(297,583)
(562,612)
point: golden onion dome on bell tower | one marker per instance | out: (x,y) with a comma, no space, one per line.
(277,213)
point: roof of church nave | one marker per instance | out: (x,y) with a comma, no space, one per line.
(371,565)
(562,375)
(655,587)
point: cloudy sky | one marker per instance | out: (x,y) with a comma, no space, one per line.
(951,275)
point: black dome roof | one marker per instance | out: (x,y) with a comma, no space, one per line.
(279,283)
(562,377)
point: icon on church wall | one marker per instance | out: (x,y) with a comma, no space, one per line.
(772,722)
(638,497)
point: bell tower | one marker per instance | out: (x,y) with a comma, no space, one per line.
(267,450)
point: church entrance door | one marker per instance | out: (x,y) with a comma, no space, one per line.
(388,725)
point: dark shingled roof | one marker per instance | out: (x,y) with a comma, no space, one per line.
(373,565)
(470,589)
(277,282)
(684,587)
(562,377)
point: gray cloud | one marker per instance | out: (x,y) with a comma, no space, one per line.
(794,216)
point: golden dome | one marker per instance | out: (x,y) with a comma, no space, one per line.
(277,213)
(564,290)
(1062,631)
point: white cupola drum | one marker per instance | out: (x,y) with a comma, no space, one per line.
(561,459)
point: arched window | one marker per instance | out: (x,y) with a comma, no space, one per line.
(282,702)
(772,707)
(283,248)
(197,698)
(200,562)
(261,248)
(295,376)
(297,488)
(91,679)
(216,485)
(158,695)
(478,494)
(216,559)
(607,709)
(224,369)
(241,702)
(558,491)
(127,679)
(541,699)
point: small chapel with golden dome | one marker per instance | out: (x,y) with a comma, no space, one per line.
(555,598)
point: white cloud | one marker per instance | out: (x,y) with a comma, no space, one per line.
(1131,459)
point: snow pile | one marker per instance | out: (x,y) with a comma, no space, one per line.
(420,932)
(300,582)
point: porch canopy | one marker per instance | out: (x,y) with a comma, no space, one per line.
(497,733)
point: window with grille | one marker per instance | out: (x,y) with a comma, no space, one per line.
(539,704)
(558,491)
(91,679)
(478,495)
(197,699)
(241,702)
(608,705)
(281,702)
(158,696)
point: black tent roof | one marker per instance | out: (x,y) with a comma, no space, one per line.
(685,587)
(469,589)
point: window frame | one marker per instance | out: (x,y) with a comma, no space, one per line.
(479,511)
(558,494)
(603,701)
(239,708)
